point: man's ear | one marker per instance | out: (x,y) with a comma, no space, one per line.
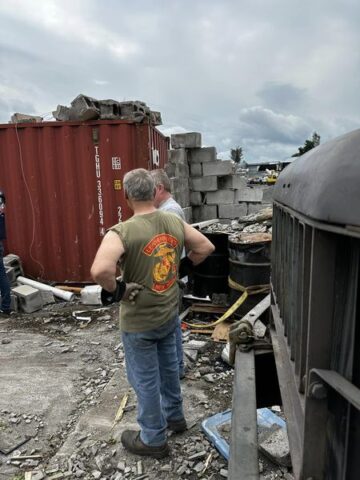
(126,195)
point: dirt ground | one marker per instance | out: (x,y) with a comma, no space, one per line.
(62,380)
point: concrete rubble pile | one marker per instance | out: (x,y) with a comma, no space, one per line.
(209,188)
(84,108)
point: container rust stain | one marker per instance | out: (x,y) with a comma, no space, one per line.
(64,187)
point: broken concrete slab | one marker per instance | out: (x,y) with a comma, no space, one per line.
(276,447)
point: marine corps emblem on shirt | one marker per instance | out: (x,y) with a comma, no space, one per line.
(162,247)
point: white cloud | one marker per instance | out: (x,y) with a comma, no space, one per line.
(263,75)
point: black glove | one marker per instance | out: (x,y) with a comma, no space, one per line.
(108,298)
(186,267)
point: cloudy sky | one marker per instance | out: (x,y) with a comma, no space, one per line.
(253,73)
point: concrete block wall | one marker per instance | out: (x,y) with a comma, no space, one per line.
(209,188)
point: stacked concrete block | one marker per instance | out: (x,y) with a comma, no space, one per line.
(188,214)
(177,170)
(196,199)
(202,155)
(235,181)
(29,298)
(180,190)
(248,194)
(204,184)
(221,167)
(178,156)
(205,212)
(186,140)
(220,197)
(196,169)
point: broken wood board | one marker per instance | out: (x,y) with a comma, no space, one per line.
(221,332)
(201,332)
(207,308)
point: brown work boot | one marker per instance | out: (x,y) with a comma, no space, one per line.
(177,426)
(133,443)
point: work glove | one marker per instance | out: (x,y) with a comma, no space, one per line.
(123,291)
(186,267)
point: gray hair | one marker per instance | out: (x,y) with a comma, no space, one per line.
(139,185)
(160,178)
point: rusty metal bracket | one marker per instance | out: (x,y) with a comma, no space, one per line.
(322,379)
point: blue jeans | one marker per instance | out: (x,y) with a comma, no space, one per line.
(4,284)
(179,348)
(152,371)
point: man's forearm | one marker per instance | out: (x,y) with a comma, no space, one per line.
(106,280)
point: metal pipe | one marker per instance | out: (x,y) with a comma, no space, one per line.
(68,296)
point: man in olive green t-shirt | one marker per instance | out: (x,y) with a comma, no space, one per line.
(149,247)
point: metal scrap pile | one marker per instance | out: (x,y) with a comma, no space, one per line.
(260,222)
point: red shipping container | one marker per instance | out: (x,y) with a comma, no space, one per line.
(63,186)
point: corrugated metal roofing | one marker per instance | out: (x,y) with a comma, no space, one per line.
(63,183)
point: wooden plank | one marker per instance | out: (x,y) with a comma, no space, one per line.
(207,308)
(243,461)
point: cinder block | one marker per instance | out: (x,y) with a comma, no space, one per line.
(232,211)
(249,194)
(177,170)
(188,214)
(232,181)
(204,212)
(220,196)
(62,113)
(204,184)
(182,197)
(29,298)
(221,167)
(109,109)
(11,275)
(85,108)
(14,262)
(196,169)
(202,155)
(196,198)
(186,140)
(47,297)
(25,118)
(178,156)
(178,184)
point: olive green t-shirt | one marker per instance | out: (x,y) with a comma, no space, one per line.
(153,244)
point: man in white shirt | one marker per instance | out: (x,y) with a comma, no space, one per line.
(164,201)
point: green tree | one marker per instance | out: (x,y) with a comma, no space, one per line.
(308,145)
(237,154)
